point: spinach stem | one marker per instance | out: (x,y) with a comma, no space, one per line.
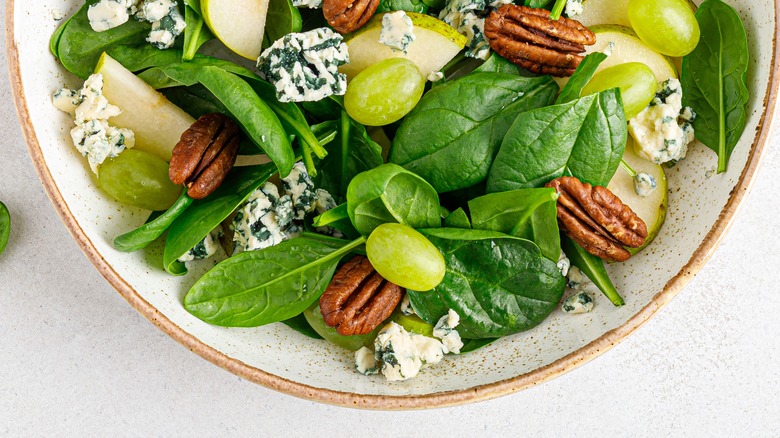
(627,167)
(303,131)
(322,237)
(557,10)
(345,125)
(453,63)
(308,160)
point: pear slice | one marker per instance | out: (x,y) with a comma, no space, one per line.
(239,24)
(627,48)
(651,208)
(156,122)
(435,44)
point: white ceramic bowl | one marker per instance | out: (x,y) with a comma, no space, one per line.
(701,208)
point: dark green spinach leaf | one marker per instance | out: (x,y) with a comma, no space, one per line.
(498,284)
(196,33)
(457,219)
(5,226)
(593,268)
(206,214)
(470,345)
(402,5)
(450,141)
(302,326)
(274,284)
(282,18)
(714,79)
(390,194)
(584,138)
(498,64)
(582,75)
(527,213)
(147,233)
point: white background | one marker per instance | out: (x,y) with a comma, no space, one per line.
(76,359)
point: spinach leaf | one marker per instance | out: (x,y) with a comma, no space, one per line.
(5,226)
(389,194)
(282,18)
(259,122)
(326,109)
(206,214)
(584,138)
(196,33)
(470,345)
(714,79)
(457,219)
(527,213)
(300,325)
(338,218)
(498,284)
(274,284)
(147,233)
(351,152)
(582,75)
(537,3)
(79,47)
(593,268)
(450,141)
(402,5)
(498,64)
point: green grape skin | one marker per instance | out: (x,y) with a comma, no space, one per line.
(353,343)
(384,92)
(405,257)
(667,26)
(139,179)
(636,81)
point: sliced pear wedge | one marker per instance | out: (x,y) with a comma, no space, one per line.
(156,122)
(435,44)
(239,24)
(651,208)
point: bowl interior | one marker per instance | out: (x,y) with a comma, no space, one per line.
(279,357)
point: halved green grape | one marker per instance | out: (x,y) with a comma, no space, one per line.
(405,257)
(139,179)
(667,26)
(314,318)
(636,82)
(385,92)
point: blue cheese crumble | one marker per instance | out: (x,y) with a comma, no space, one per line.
(406,306)
(304,66)
(445,331)
(167,21)
(300,187)
(664,129)
(573,8)
(311,4)
(581,300)
(644,184)
(365,362)
(93,136)
(206,248)
(397,31)
(468,18)
(564,264)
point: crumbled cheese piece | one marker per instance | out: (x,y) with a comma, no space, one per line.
(108,14)
(397,31)
(93,136)
(664,129)
(445,330)
(579,302)
(435,76)
(56,14)
(564,264)
(205,248)
(256,225)
(404,354)
(311,4)
(573,8)
(155,10)
(644,184)
(300,187)
(304,66)
(165,30)
(365,362)
(467,17)
(406,306)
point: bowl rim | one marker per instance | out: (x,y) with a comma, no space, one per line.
(390,402)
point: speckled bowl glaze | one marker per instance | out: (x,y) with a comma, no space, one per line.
(702,205)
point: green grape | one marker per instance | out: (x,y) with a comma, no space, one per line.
(314,318)
(385,92)
(405,257)
(667,26)
(636,82)
(139,179)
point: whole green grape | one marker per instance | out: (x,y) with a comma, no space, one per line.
(139,179)
(667,26)
(405,257)
(636,81)
(384,92)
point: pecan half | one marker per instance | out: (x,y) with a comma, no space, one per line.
(597,220)
(358,299)
(529,38)
(205,154)
(348,15)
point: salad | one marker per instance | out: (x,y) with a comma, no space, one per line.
(406,179)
